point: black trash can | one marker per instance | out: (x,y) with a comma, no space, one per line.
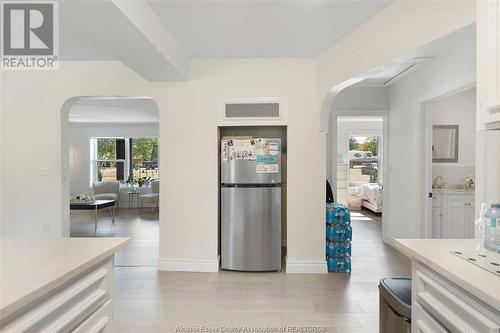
(395,305)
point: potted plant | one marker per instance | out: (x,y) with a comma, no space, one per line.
(131,182)
(143,181)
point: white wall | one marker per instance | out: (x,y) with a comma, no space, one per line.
(35,184)
(188,123)
(1,156)
(399,28)
(362,98)
(79,149)
(488,142)
(31,131)
(457,109)
(457,64)
(191,188)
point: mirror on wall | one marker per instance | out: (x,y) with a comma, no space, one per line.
(445,143)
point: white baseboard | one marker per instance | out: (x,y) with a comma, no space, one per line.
(389,240)
(307,267)
(189,265)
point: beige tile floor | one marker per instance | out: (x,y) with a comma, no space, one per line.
(151,301)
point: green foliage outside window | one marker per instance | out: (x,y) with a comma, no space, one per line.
(143,155)
(106,149)
(144,159)
(144,149)
(370,144)
(353,144)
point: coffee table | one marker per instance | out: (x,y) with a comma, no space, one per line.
(95,206)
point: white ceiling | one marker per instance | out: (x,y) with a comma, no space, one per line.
(401,66)
(114,110)
(148,36)
(274,29)
(126,31)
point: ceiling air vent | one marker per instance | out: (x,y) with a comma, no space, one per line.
(252,110)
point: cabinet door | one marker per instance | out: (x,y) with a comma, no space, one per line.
(454,217)
(470,218)
(437,221)
(441,306)
(424,322)
(493,86)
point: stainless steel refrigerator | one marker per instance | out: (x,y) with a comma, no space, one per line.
(251,204)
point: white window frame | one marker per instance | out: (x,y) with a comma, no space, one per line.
(368,134)
(94,160)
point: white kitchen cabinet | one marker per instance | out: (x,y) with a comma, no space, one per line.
(449,293)
(453,215)
(66,310)
(424,322)
(57,285)
(470,218)
(438,305)
(488,58)
(437,216)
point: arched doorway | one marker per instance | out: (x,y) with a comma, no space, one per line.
(110,140)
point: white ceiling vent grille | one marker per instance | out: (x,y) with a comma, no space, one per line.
(252,110)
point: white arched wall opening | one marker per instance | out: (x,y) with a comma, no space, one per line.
(65,180)
(331,144)
(31,114)
(377,42)
(326,125)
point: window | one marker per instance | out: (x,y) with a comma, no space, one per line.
(364,160)
(144,158)
(109,159)
(122,159)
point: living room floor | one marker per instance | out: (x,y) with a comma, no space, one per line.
(150,301)
(142,228)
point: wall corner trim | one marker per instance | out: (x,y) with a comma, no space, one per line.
(391,241)
(188,265)
(307,267)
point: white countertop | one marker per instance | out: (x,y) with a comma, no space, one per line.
(436,254)
(31,268)
(452,190)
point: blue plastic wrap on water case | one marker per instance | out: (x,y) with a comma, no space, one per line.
(337,214)
(338,238)
(339,264)
(334,249)
(338,233)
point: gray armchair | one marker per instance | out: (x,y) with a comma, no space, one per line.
(107,191)
(153,198)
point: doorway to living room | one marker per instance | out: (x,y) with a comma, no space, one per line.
(113,163)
